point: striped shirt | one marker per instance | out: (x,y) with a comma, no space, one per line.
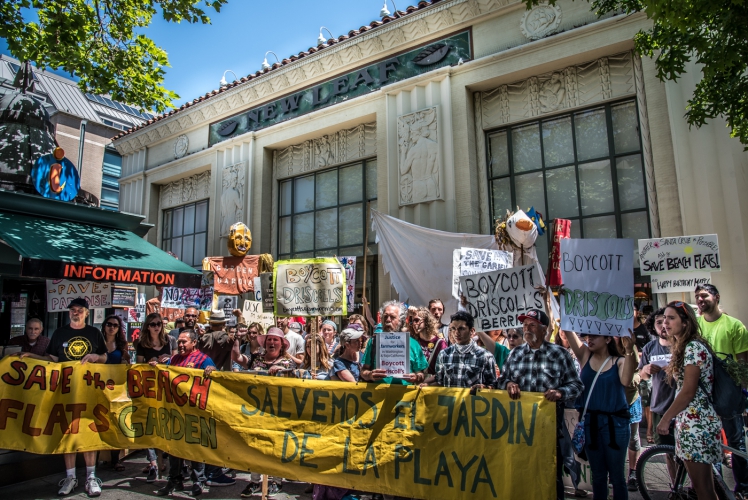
(195,359)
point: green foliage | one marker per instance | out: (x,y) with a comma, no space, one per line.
(101,42)
(738,371)
(712,33)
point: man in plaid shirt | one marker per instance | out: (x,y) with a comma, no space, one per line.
(464,364)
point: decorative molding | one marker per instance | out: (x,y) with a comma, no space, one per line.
(607,78)
(231,196)
(326,151)
(186,190)
(419,157)
(540,21)
(181,145)
(392,36)
(641,101)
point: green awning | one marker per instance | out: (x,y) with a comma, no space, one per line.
(58,249)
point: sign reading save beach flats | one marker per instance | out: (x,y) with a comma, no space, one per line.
(445,52)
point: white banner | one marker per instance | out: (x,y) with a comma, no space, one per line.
(495,299)
(679,282)
(309,287)
(598,293)
(252,313)
(470,261)
(61,292)
(679,254)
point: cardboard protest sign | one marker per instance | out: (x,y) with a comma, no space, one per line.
(393,353)
(309,287)
(252,313)
(61,292)
(495,299)
(679,282)
(598,293)
(268,297)
(181,298)
(680,254)
(228,303)
(470,261)
(349,264)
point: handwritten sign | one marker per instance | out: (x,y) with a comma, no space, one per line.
(470,261)
(309,287)
(495,299)
(393,353)
(598,293)
(252,313)
(349,264)
(679,282)
(61,292)
(680,254)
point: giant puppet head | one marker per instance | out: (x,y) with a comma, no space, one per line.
(240,240)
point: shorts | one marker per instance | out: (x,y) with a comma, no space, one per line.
(659,438)
(645,391)
(635,411)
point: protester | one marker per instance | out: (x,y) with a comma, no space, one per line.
(190,322)
(514,338)
(493,342)
(346,367)
(436,308)
(634,400)
(329,331)
(642,337)
(697,426)
(563,341)
(423,328)
(539,366)
(241,356)
(117,353)
(295,342)
(76,341)
(32,339)
(217,343)
(357,319)
(464,363)
(727,336)
(188,356)
(324,361)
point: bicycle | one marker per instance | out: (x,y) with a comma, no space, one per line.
(663,476)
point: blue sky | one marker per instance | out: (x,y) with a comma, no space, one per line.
(244,30)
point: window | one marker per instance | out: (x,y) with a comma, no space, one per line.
(585,166)
(324,213)
(185,233)
(111,171)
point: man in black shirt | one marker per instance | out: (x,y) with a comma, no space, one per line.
(187,323)
(76,341)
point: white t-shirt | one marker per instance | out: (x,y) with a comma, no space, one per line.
(296,342)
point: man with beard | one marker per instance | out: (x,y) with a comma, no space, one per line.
(539,366)
(190,318)
(436,307)
(727,336)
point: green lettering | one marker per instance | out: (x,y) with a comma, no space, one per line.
(417,470)
(371,461)
(256,401)
(346,457)
(462,419)
(449,402)
(300,404)
(281,413)
(463,468)
(521,424)
(208,437)
(483,467)
(284,452)
(318,406)
(402,454)
(338,404)
(442,469)
(496,406)
(190,428)
(475,414)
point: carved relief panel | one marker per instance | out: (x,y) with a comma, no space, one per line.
(232,196)
(182,191)
(326,151)
(419,157)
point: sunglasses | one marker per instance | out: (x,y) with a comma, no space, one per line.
(156,324)
(514,337)
(112,325)
(682,305)
(190,315)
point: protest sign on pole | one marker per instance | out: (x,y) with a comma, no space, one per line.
(679,282)
(61,292)
(252,313)
(309,287)
(349,264)
(698,253)
(228,303)
(268,297)
(598,293)
(470,261)
(495,299)
(561,230)
(393,353)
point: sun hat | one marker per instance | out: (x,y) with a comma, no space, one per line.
(274,332)
(217,316)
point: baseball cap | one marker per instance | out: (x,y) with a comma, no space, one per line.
(79,302)
(535,314)
(295,326)
(350,334)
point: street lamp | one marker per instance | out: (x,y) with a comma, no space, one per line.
(321,39)
(384,12)
(265,64)
(223,81)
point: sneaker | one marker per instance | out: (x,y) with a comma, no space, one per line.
(171,485)
(197,488)
(67,486)
(632,484)
(93,486)
(152,474)
(273,489)
(220,480)
(251,489)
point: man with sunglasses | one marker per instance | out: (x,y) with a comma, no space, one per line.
(76,341)
(727,336)
(188,322)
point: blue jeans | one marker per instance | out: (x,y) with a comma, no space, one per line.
(605,461)
(733,428)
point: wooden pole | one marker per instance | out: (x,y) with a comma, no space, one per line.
(313,348)
(264,487)
(367,311)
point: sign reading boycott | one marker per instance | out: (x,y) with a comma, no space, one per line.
(469,261)
(418,443)
(61,292)
(598,293)
(309,287)
(680,254)
(495,299)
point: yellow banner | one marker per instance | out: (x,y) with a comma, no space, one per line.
(421,443)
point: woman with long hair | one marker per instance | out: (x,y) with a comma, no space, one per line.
(250,348)
(697,426)
(605,374)
(329,332)
(357,319)
(154,345)
(424,329)
(117,353)
(324,360)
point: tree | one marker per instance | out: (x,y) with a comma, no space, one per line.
(100,42)
(714,34)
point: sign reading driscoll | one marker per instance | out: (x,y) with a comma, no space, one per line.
(445,52)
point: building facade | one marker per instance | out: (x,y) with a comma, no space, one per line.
(445,116)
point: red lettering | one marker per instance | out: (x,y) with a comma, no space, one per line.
(38,376)
(199,391)
(6,411)
(76,409)
(111,274)
(99,273)
(87,270)
(54,377)
(27,429)
(65,383)
(164,387)
(135,276)
(158,278)
(149,383)
(57,416)
(100,412)
(19,367)
(144,276)
(134,383)
(180,399)
(123,275)
(169,279)
(75,272)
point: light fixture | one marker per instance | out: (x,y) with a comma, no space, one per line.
(384,12)
(265,64)
(321,39)
(223,81)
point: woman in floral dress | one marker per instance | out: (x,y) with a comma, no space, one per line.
(697,426)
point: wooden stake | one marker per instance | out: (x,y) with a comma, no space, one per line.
(264,487)
(367,310)
(313,348)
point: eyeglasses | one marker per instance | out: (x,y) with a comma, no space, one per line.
(112,325)
(514,337)
(156,324)
(190,315)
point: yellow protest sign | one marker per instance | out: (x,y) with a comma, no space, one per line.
(420,443)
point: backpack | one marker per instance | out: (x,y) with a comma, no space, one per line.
(727,396)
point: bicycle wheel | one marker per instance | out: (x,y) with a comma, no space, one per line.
(657,480)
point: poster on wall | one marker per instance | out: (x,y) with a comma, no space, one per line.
(124,296)
(699,253)
(598,293)
(61,292)
(228,303)
(349,264)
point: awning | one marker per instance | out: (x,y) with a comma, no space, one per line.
(58,249)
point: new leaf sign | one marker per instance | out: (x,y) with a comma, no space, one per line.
(445,52)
